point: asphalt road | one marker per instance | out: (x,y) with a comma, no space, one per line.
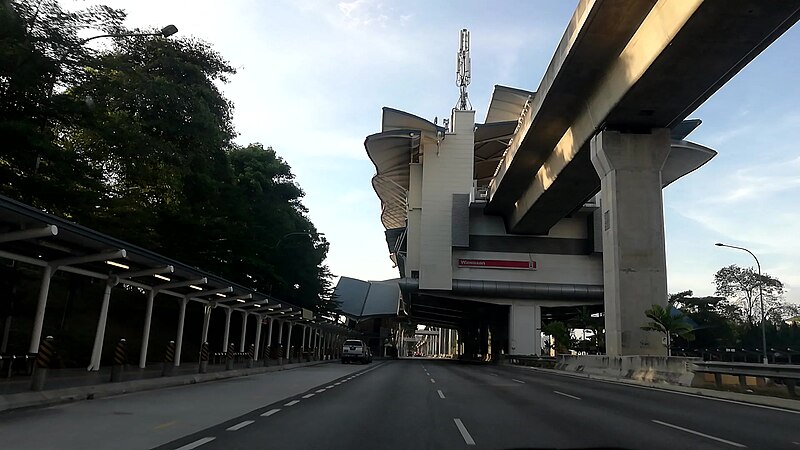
(434,404)
(405,404)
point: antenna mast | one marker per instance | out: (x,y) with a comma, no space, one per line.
(463,71)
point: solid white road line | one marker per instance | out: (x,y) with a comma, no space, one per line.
(441,394)
(697,433)
(518,381)
(240,425)
(464,433)
(292,403)
(308,395)
(566,395)
(196,443)
(433,381)
(270,412)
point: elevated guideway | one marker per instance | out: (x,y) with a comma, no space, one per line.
(626,66)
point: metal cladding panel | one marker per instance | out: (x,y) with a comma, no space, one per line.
(351,295)
(383,299)
(460,220)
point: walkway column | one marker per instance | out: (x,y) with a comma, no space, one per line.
(227,329)
(41,305)
(148,315)
(100,334)
(280,340)
(244,331)
(258,337)
(206,322)
(303,341)
(289,341)
(179,337)
(269,333)
(634,257)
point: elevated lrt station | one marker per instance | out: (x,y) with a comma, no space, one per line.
(39,250)
(554,203)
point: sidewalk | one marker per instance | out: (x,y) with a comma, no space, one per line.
(152,418)
(73,384)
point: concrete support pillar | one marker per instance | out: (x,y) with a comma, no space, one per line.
(6,332)
(41,305)
(634,256)
(226,334)
(206,322)
(179,336)
(524,326)
(148,316)
(100,334)
(244,332)
(258,337)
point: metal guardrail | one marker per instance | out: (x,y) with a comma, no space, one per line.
(783,373)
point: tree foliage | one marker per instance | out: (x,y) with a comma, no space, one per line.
(136,140)
(668,321)
(742,287)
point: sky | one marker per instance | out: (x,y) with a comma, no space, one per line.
(313,76)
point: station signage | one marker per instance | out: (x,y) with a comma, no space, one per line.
(496,264)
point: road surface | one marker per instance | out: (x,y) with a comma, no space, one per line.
(423,404)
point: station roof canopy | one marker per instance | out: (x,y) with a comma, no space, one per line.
(34,237)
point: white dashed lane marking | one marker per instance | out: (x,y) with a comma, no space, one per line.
(441,394)
(308,395)
(697,433)
(292,403)
(196,443)
(464,433)
(566,395)
(518,381)
(270,412)
(240,425)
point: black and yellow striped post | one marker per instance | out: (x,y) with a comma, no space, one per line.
(267,354)
(251,354)
(280,355)
(229,357)
(203,358)
(120,359)
(169,360)
(44,361)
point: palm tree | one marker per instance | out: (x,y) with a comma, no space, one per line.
(664,321)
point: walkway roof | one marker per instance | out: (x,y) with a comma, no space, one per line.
(31,236)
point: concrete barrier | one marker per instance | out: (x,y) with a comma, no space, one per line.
(673,370)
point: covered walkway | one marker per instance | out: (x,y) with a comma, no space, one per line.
(36,239)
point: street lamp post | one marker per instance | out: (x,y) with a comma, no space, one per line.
(167,31)
(761,300)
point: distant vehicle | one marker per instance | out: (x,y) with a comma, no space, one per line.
(356,350)
(418,355)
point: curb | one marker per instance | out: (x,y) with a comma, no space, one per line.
(65,395)
(773,402)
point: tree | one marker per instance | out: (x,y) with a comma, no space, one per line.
(136,140)
(668,321)
(741,287)
(561,334)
